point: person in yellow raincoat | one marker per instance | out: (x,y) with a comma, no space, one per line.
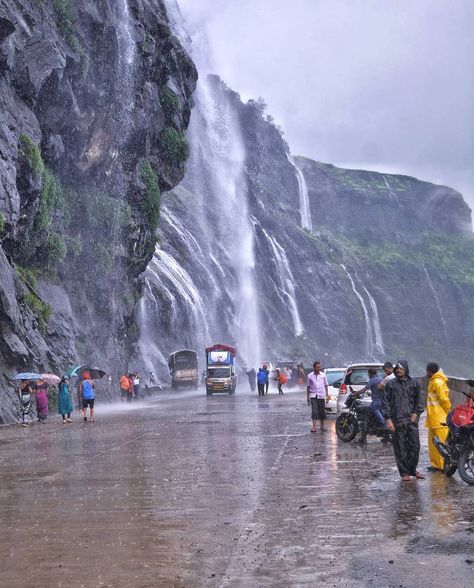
(437,407)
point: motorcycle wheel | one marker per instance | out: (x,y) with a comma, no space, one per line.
(449,468)
(346,427)
(466,465)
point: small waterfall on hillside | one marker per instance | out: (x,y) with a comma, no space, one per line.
(437,302)
(126,67)
(368,329)
(286,288)
(376,322)
(389,188)
(373,330)
(305,210)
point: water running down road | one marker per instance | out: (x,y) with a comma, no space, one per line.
(185,490)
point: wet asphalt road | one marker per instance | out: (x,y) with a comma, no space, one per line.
(185,490)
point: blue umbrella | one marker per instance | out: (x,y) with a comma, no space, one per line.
(27,376)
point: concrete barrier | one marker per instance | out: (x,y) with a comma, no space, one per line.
(456,388)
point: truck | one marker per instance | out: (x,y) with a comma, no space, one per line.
(183,366)
(221,369)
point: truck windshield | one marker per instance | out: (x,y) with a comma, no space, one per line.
(221,372)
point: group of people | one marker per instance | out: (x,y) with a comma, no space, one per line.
(27,390)
(282,376)
(397,404)
(129,387)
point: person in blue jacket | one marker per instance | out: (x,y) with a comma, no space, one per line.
(262,379)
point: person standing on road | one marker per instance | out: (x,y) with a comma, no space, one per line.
(402,406)
(25,393)
(281,380)
(437,407)
(262,379)
(252,376)
(267,380)
(64,400)
(136,385)
(41,396)
(88,396)
(300,377)
(317,395)
(124,384)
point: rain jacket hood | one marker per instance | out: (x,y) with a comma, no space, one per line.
(437,401)
(403,363)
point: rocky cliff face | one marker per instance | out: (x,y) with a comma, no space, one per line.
(386,271)
(94,99)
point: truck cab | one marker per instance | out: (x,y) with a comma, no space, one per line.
(221,369)
(183,366)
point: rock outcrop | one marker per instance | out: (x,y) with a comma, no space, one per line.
(94,99)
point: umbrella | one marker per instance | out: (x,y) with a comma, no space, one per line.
(27,376)
(95,372)
(51,379)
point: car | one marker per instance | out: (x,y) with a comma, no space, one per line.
(355,378)
(334,376)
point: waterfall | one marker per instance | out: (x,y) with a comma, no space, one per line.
(286,288)
(217,177)
(437,301)
(373,330)
(126,67)
(377,330)
(368,329)
(305,211)
(206,270)
(389,188)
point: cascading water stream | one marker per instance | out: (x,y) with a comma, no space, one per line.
(126,67)
(368,329)
(377,329)
(437,302)
(287,288)
(305,211)
(389,188)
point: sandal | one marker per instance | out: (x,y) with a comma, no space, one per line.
(419,476)
(406,478)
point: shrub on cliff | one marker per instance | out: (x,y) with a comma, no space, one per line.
(151,200)
(32,154)
(174,147)
(169,102)
(55,249)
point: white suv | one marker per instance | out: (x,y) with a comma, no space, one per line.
(335,377)
(355,378)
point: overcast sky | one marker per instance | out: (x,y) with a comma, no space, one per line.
(374,84)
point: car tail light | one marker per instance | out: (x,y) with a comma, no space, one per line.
(343,389)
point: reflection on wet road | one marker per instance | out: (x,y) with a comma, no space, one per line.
(185,490)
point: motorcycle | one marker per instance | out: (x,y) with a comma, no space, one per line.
(458,449)
(359,418)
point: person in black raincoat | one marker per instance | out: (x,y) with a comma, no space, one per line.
(402,406)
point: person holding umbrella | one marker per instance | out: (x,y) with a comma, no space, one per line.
(40,390)
(64,400)
(87,392)
(25,392)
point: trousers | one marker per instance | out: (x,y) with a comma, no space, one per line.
(406,447)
